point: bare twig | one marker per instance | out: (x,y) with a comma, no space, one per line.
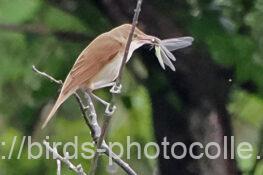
(118,160)
(90,118)
(58,163)
(58,167)
(127,47)
(63,159)
(99,144)
(106,121)
(97,133)
(43,74)
(104,146)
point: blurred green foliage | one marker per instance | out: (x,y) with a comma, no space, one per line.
(232,31)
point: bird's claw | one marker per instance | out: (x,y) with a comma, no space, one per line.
(116,89)
(86,107)
(110,109)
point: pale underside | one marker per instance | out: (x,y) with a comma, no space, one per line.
(109,72)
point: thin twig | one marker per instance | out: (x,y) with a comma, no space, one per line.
(90,117)
(43,74)
(118,160)
(58,163)
(63,159)
(96,132)
(58,167)
(127,47)
(99,145)
(106,121)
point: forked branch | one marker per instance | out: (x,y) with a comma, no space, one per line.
(117,88)
(77,169)
(89,112)
(90,118)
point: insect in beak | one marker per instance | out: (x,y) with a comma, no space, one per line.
(163,49)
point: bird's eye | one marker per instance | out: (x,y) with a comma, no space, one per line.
(135,35)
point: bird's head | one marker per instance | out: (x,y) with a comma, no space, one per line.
(163,48)
(122,32)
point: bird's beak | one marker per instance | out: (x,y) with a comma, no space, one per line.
(148,39)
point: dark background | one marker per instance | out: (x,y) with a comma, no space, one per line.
(216,91)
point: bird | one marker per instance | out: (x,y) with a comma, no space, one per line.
(98,65)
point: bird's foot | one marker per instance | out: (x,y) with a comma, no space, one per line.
(86,107)
(116,88)
(110,109)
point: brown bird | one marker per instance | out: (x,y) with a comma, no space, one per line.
(99,63)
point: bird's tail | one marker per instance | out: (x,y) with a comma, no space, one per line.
(61,98)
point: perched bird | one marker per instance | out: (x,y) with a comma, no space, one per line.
(99,63)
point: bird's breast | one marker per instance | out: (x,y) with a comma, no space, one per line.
(111,70)
(108,73)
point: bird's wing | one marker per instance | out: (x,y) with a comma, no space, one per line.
(100,52)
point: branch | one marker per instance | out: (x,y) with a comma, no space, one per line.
(58,164)
(116,89)
(44,31)
(90,117)
(43,74)
(77,169)
(125,166)
(127,47)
